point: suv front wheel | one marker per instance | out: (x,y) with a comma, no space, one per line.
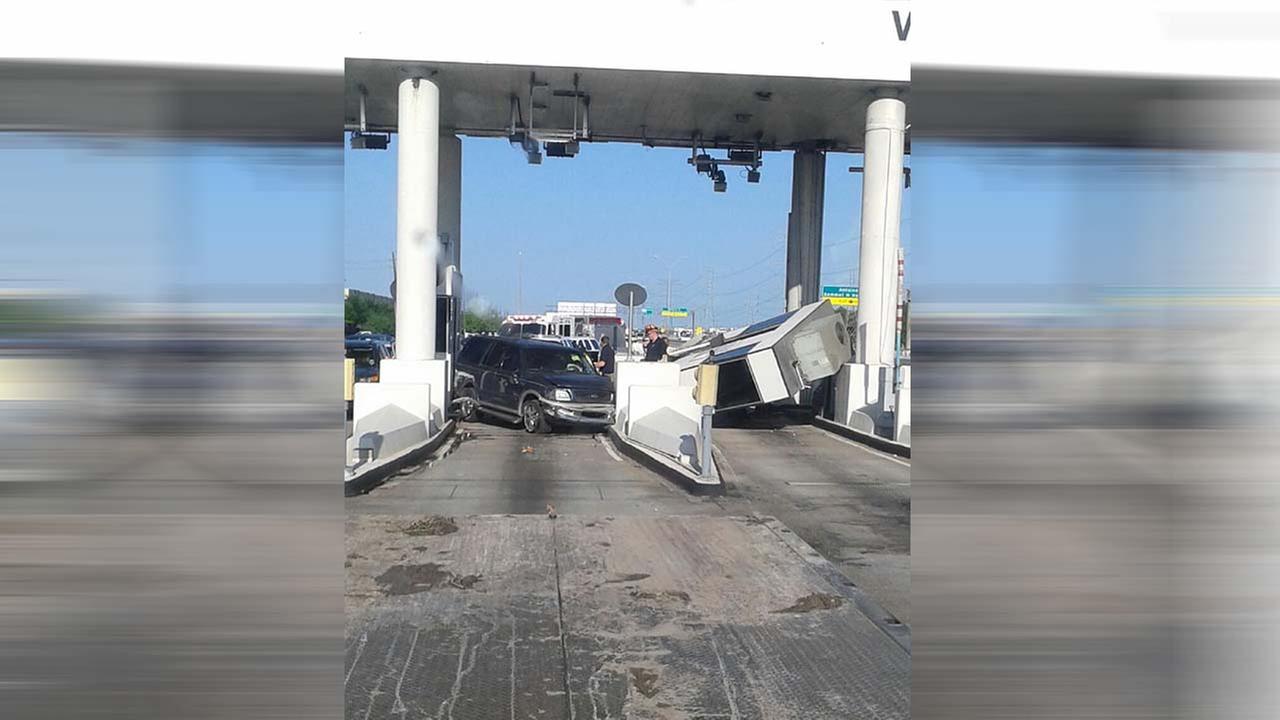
(533,418)
(470,410)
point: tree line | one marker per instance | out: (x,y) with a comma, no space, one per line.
(362,313)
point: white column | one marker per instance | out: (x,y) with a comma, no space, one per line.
(804,227)
(881,233)
(418,170)
(450,221)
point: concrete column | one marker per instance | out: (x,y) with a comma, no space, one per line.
(450,221)
(418,171)
(804,227)
(881,232)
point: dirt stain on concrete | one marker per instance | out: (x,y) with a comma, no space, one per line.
(629,577)
(662,595)
(431,525)
(815,601)
(410,579)
(464,582)
(645,681)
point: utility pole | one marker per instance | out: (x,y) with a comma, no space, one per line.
(519,279)
(853,269)
(669,267)
(711,297)
(668,300)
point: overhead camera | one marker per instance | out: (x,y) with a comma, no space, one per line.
(562,149)
(703,162)
(369,141)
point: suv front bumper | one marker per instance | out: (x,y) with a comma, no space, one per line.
(579,413)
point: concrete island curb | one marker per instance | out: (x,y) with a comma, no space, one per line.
(362,483)
(666,468)
(875,441)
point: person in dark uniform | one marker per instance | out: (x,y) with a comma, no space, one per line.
(607,356)
(655,350)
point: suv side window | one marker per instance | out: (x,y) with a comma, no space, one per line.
(473,350)
(510,359)
(494,352)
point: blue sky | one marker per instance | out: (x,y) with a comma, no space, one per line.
(137,219)
(587,224)
(981,223)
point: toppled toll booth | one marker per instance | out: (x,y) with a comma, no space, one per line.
(772,360)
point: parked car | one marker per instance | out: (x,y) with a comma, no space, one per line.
(541,384)
(368,350)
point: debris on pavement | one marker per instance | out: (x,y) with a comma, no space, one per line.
(662,595)
(432,525)
(410,579)
(815,601)
(645,681)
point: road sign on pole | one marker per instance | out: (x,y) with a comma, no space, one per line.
(631,295)
(841,295)
(675,312)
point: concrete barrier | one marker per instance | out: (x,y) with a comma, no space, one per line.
(902,408)
(630,374)
(859,401)
(363,478)
(666,419)
(399,418)
(659,422)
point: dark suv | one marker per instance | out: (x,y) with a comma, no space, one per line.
(537,382)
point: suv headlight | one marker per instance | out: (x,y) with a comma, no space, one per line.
(561,395)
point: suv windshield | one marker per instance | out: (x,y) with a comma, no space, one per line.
(556,361)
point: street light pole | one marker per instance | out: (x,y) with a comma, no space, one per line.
(669,266)
(519,278)
(668,300)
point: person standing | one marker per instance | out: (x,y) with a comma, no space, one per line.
(655,350)
(607,357)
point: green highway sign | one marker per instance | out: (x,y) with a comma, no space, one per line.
(841,295)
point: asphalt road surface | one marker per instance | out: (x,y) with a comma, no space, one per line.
(849,502)
(637,599)
(492,468)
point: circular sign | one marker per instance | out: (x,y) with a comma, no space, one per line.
(630,294)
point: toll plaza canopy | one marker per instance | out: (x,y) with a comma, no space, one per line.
(650,107)
(988,70)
